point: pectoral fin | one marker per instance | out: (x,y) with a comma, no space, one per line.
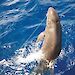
(40,36)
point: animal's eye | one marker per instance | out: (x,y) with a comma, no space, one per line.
(57,21)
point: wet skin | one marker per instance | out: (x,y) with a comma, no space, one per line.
(52,36)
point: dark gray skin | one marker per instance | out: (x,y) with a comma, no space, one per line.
(52,36)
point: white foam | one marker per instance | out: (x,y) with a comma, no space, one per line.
(31,57)
(34,56)
(4,62)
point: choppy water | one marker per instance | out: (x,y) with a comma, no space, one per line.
(21,18)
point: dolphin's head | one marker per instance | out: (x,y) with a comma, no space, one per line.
(52,15)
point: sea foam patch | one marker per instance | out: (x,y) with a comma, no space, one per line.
(23,62)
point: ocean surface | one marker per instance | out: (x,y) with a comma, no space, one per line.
(21,21)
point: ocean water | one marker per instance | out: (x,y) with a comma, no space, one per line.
(20,23)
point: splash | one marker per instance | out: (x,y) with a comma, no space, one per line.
(36,56)
(21,60)
(26,61)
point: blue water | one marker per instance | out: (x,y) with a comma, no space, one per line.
(20,18)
